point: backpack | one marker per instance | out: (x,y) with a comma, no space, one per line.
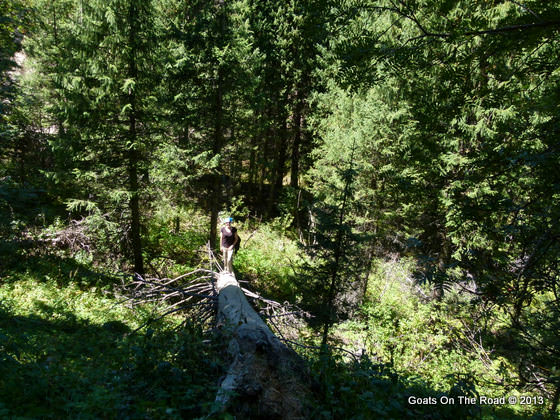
(236,247)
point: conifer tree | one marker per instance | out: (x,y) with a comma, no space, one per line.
(290,35)
(337,245)
(99,60)
(211,82)
(457,160)
(13,22)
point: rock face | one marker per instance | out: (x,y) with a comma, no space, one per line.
(266,379)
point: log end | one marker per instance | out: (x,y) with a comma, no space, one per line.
(226,279)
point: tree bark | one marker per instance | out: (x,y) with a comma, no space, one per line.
(298,120)
(253,163)
(214,214)
(279,163)
(133,155)
(215,200)
(262,196)
(266,379)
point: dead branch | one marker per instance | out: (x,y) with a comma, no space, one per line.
(192,291)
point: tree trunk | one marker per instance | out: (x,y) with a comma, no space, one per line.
(133,155)
(266,379)
(338,257)
(214,209)
(370,253)
(264,170)
(279,164)
(294,174)
(216,199)
(134,205)
(444,258)
(216,192)
(253,163)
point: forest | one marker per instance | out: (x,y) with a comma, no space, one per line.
(391,167)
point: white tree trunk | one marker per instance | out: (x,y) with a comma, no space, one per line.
(265,377)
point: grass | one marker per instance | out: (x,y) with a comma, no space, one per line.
(66,352)
(270,260)
(437,344)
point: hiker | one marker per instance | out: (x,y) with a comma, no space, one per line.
(228,241)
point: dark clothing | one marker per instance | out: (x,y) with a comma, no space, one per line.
(228,238)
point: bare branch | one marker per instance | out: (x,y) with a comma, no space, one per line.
(526,8)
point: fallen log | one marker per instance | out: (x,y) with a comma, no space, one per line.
(266,379)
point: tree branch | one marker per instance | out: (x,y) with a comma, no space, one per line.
(408,13)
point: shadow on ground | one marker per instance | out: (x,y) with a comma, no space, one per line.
(21,257)
(55,366)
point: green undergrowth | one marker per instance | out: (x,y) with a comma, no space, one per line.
(67,352)
(175,241)
(269,259)
(440,345)
(415,349)
(68,347)
(364,389)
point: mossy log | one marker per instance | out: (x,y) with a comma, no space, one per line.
(266,379)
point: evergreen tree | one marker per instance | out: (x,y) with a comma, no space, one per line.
(210,80)
(290,35)
(457,98)
(13,22)
(337,246)
(100,62)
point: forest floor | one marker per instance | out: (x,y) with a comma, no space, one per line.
(70,347)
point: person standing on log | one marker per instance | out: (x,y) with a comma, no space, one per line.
(228,240)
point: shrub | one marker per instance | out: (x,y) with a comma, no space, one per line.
(69,353)
(442,344)
(270,260)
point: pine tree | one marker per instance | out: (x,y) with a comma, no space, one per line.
(337,245)
(211,82)
(14,21)
(99,60)
(290,35)
(458,164)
